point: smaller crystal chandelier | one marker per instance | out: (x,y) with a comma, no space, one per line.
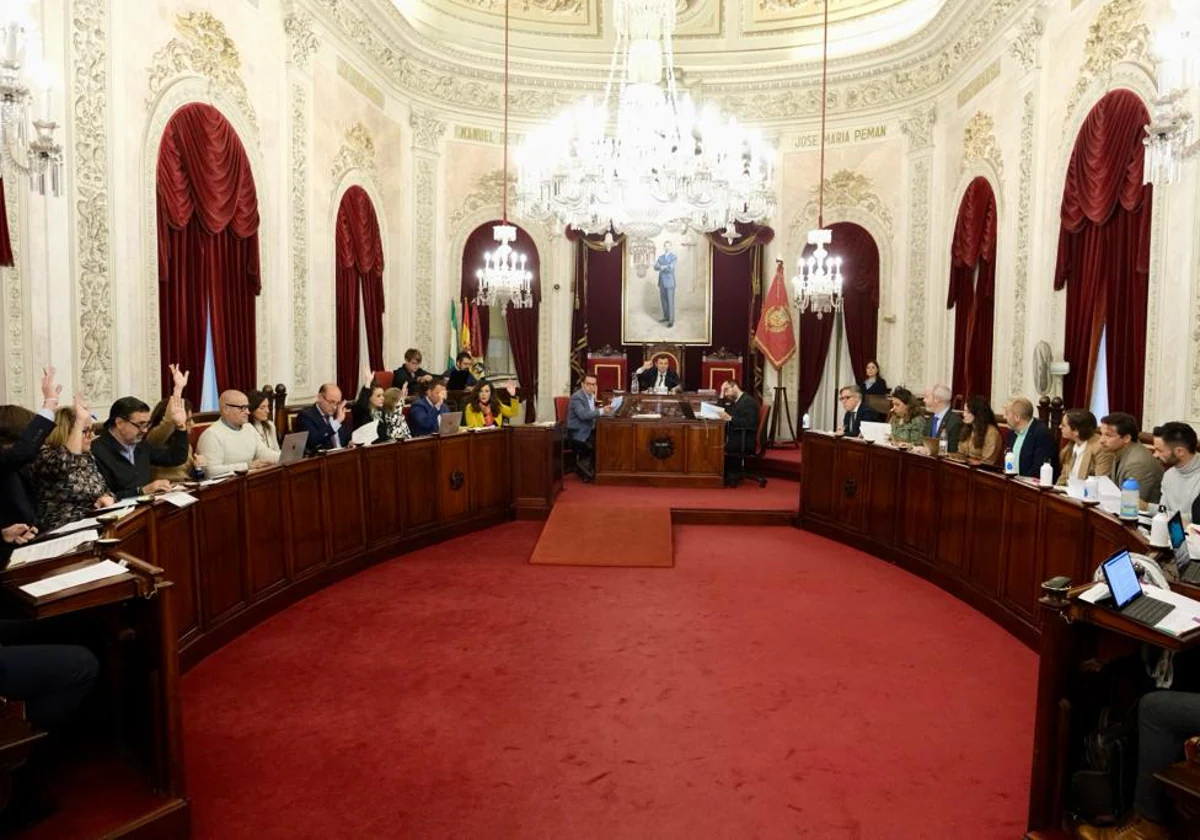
(40,156)
(504,278)
(818,280)
(1169,136)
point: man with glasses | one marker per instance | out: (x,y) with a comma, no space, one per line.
(325,421)
(856,411)
(231,444)
(123,457)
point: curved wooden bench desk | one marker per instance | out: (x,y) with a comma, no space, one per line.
(987,538)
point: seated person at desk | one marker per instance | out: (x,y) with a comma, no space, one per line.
(980,439)
(392,425)
(908,424)
(942,422)
(462,362)
(1119,437)
(1165,720)
(411,373)
(1082,455)
(231,444)
(67,481)
(325,420)
(656,377)
(427,410)
(857,412)
(368,408)
(581,426)
(21,436)
(485,409)
(161,430)
(123,455)
(1175,449)
(260,419)
(741,412)
(1031,442)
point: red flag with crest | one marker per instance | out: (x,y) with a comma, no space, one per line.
(774,336)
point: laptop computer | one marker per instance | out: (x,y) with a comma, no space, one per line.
(875,431)
(1188,570)
(449,423)
(292,448)
(1128,597)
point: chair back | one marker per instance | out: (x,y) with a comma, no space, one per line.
(560,409)
(195,432)
(383,378)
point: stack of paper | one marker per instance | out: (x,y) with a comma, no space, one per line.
(47,549)
(78,577)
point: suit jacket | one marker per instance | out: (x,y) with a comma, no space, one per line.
(126,479)
(878,388)
(581,416)
(951,429)
(1096,460)
(1037,449)
(16,502)
(743,417)
(401,375)
(647,378)
(424,418)
(1135,461)
(852,420)
(320,432)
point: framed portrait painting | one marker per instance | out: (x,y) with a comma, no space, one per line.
(666,290)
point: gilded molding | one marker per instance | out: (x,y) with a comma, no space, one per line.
(300,342)
(1025,42)
(202,49)
(427,130)
(1118,34)
(979,143)
(487,192)
(425,212)
(844,189)
(918,270)
(357,152)
(14,297)
(89,138)
(918,128)
(302,41)
(1016,375)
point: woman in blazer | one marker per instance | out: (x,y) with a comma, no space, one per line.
(485,409)
(873,385)
(981,439)
(260,419)
(1081,455)
(907,419)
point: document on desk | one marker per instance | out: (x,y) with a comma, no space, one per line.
(48,549)
(710,411)
(365,435)
(90,522)
(78,577)
(179,498)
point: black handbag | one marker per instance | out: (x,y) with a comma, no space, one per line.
(1102,787)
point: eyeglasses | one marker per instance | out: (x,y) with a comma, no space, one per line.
(89,432)
(237,407)
(141,427)
(845,397)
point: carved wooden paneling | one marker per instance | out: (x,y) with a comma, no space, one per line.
(452,477)
(652,442)
(985,530)
(267,542)
(953,496)
(706,448)
(916,530)
(489,471)
(419,470)
(220,529)
(347,522)
(1020,560)
(1064,541)
(306,517)
(536,466)
(883,476)
(851,488)
(1108,537)
(615,445)
(817,486)
(384,499)
(176,554)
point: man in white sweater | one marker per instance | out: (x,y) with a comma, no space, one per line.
(231,443)
(1175,448)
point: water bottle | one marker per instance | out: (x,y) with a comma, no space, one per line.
(943,446)
(633,387)
(1129,499)
(1010,462)
(1046,475)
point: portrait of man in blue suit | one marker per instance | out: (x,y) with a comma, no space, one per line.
(666,289)
(665,266)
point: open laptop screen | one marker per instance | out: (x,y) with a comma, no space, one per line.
(1122,579)
(1178,537)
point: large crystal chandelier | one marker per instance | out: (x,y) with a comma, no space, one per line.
(40,156)
(504,278)
(1169,136)
(818,280)
(644,160)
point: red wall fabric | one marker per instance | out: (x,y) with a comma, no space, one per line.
(207,249)
(359,252)
(6,256)
(972,290)
(1104,252)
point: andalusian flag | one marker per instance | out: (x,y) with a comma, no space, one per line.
(453,334)
(774,336)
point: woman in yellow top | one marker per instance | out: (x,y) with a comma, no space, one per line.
(485,409)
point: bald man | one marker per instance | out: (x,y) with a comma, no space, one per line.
(325,420)
(231,444)
(1030,441)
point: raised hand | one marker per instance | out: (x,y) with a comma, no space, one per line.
(341,412)
(83,415)
(511,387)
(404,390)
(177,411)
(50,391)
(179,379)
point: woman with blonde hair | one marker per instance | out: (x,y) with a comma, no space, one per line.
(68,483)
(392,425)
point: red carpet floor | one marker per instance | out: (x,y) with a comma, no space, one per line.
(779,494)
(581,535)
(772,685)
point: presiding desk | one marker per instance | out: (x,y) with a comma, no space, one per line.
(660,441)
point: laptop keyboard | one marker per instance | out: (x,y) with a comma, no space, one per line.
(1147,610)
(1191,573)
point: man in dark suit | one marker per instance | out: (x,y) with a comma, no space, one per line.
(940,421)
(655,376)
(1030,441)
(124,460)
(411,373)
(741,412)
(325,420)
(21,439)
(427,410)
(857,412)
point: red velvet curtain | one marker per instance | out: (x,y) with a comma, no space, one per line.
(6,257)
(1104,252)
(359,266)
(207,249)
(860,311)
(972,290)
